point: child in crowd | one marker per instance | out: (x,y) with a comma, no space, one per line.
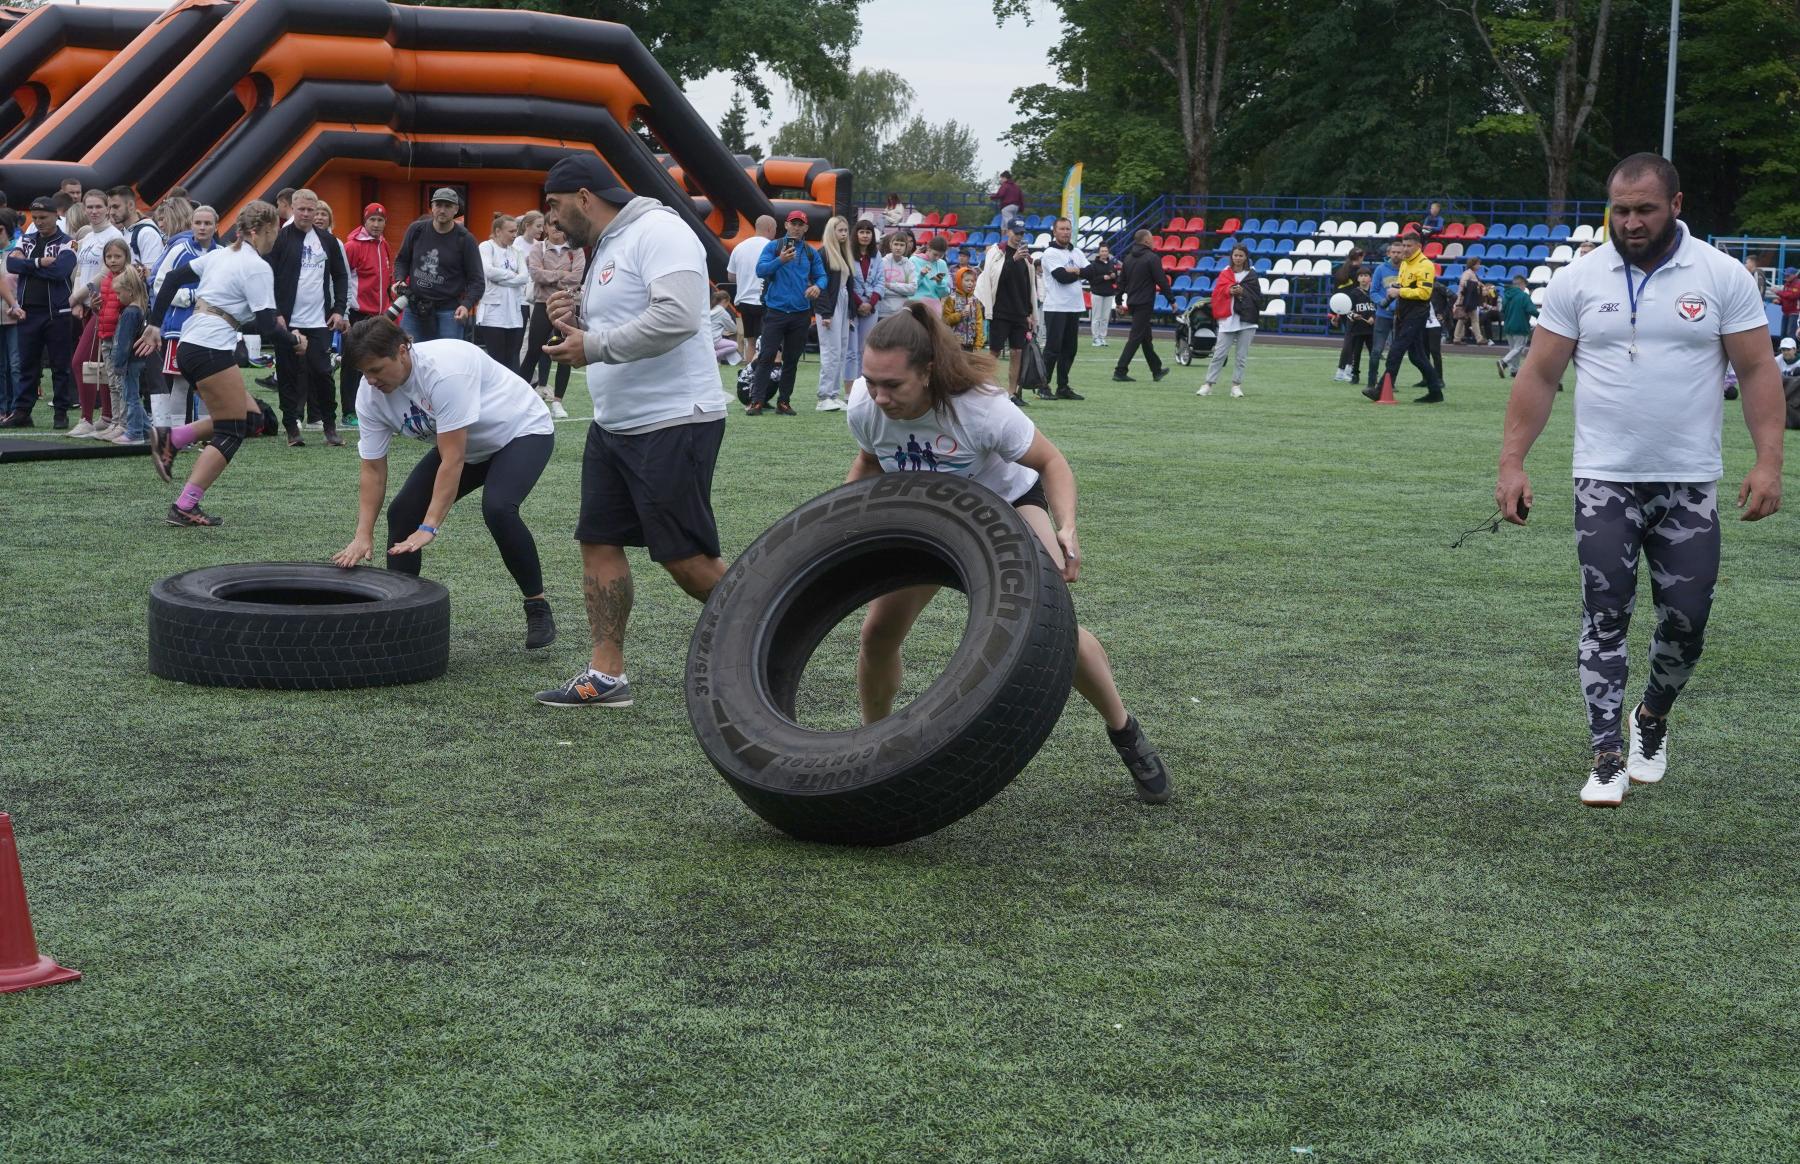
(722,322)
(897,281)
(125,367)
(102,299)
(931,273)
(1516,313)
(969,329)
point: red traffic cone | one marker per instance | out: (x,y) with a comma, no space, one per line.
(21,967)
(1387,389)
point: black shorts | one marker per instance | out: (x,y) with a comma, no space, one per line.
(196,363)
(1006,333)
(653,490)
(751,314)
(1033,496)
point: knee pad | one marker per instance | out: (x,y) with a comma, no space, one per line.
(227,436)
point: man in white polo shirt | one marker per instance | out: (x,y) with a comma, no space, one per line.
(646,474)
(1650,320)
(1063,265)
(749,285)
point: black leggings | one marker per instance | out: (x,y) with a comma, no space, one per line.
(508,477)
(537,364)
(1350,355)
(501,344)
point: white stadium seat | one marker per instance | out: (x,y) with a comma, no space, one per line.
(1388,230)
(1328,228)
(1347,228)
(1275,307)
(1537,296)
(1305,248)
(1278,287)
(1581,234)
(1562,254)
(1342,251)
(1282,267)
(1539,276)
(1367,229)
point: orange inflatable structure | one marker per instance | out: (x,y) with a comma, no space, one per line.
(366,101)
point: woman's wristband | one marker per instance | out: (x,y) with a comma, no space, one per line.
(430,529)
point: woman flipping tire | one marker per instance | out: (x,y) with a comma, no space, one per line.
(925,404)
(235,285)
(490,432)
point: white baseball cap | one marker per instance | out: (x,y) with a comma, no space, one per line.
(1788,342)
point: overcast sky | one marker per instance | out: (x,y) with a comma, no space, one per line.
(961,63)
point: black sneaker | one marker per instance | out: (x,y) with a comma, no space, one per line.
(1122,378)
(1372,392)
(785,410)
(60,424)
(162,452)
(540,628)
(1045,394)
(588,689)
(17,420)
(1019,400)
(195,517)
(1429,398)
(332,439)
(1069,394)
(1157,376)
(1143,761)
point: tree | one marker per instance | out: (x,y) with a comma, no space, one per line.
(806,43)
(1539,54)
(734,127)
(1740,94)
(943,151)
(870,129)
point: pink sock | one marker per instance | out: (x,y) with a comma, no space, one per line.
(190,496)
(181,436)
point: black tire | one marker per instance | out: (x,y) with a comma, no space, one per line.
(298,626)
(954,747)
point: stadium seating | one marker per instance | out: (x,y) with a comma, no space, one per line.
(1329,227)
(1581,234)
(1563,254)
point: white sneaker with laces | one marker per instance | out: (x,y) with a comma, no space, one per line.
(1204,390)
(557,411)
(1649,757)
(1606,783)
(1341,376)
(111,432)
(829,404)
(1237,390)
(84,429)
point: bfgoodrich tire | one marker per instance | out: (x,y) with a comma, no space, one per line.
(298,626)
(947,752)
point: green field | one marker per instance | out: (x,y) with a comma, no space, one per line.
(441,922)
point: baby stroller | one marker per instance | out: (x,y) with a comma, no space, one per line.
(1194,334)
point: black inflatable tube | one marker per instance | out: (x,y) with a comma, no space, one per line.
(48,29)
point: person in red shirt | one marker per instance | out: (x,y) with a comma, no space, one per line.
(371,262)
(1789,298)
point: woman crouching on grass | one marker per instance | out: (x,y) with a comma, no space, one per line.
(919,385)
(235,285)
(489,431)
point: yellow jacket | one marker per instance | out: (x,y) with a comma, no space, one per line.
(1417,275)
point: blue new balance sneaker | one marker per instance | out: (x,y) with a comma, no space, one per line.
(589,688)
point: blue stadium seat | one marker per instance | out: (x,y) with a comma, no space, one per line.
(1252,226)
(1284,247)
(1452,273)
(1559,232)
(1163,306)
(1225,245)
(1539,254)
(1203,285)
(1308,227)
(1517,252)
(1519,232)
(1517,272)
(1289,227)
(1261,266)
(1036,222)
(1212,266)
(995,222)
(1539,230)
(1184,282)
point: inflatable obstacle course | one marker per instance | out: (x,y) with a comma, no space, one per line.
(366,101)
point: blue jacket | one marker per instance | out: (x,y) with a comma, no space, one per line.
(865,287)
(1384,274)
(182,249)
(784,284)
(23,262)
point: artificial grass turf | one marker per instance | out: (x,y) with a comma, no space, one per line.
(442,922)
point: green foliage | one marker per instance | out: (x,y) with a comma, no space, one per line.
(806,43)
(1740,63)
(734,127)
(870,129)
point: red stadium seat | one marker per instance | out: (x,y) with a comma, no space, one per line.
(931,219)
(1177,225)
(958,237)
(1197,225)
(949,219)
(1411,227)
(1190,243)
(1475,230)
(1187,262)
(1230,226)
(1454,230)
(1168,262)
(1433,249)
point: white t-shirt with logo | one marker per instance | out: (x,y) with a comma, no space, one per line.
(1655,418)
(983,439)
(454,385)
(237,282)
(742,266)
(1062,296)
(683,382)
(90,253)
(309,293)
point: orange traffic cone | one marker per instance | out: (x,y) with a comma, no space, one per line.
(21,966)
(1387,389)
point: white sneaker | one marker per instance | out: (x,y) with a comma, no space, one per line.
(84,429)
(111,432)
(829,404)
(122,439)
(557,411)
(314,426)
(1607,783)
(1649,757)
(1341,376)
(1237,390)
(1204,390)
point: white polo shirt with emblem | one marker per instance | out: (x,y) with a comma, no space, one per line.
(1656,417)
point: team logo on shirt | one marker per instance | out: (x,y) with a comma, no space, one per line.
(418,424)
(606,274)
(1692,307)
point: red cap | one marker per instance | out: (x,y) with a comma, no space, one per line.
(374,208)
(799,215)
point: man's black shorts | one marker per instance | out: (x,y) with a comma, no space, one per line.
(197,363)
(1006,333)
(751,314)
(653,490)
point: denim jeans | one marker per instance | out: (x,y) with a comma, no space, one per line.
(1384,331)
(420,326)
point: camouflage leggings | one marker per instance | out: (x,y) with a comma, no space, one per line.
(1676,526)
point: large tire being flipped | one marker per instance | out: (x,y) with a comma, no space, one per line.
(298,626)
(955,746)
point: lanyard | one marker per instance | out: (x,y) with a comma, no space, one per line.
(1632,293)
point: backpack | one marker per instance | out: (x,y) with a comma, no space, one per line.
(137,246)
